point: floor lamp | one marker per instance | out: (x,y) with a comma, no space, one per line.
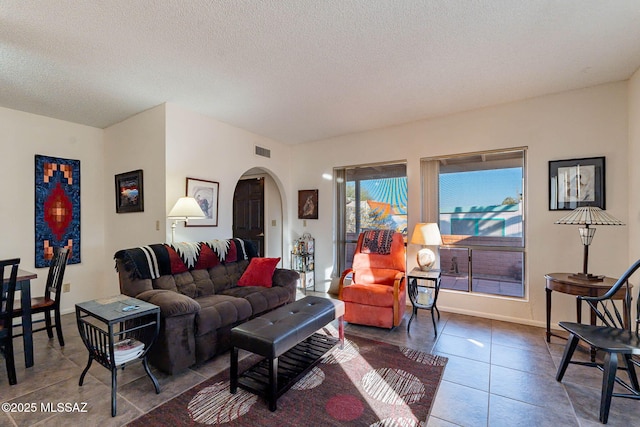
(586,216)
(186,208)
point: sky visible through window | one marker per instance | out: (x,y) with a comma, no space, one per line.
(479,188)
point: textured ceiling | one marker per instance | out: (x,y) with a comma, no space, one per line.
(302,70)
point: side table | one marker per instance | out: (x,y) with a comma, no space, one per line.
(105,324)
(563,282)
(425,300)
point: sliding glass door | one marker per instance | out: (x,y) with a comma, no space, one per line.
(369,197)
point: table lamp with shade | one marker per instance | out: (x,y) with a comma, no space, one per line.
(586,216)
(186,208)
(426,234)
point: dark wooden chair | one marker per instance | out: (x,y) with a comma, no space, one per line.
(50,302)
(7,295)
(613,335)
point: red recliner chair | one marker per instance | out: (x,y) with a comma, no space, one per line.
(377,294)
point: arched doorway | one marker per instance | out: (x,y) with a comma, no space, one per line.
(258,212)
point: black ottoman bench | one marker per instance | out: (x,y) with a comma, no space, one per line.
(286,333)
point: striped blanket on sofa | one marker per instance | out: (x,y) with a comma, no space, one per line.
(153,261)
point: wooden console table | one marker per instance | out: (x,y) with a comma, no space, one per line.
(562,282)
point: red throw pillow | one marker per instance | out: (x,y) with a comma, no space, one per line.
(259,272)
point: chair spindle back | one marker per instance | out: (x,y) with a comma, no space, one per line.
(56,272)
(7,292)
(607,311)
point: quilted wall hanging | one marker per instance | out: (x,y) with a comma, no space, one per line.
(57,208)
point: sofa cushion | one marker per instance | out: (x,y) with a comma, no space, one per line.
(185,284)
(167,283)
(217,311)
(226,276)
(259,272)
(261,299)
(204,285)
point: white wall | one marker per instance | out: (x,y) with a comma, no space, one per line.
(23,136)
(633,190)
(198,146)
(135,143)
(170,143)
(581,123)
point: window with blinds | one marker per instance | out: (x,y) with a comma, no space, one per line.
(479,204)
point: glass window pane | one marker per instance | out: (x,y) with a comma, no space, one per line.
(384,204)
(497,272)
(350,249)
(350,207)
(376,198)
(480,212)
(481,200)
(455,268)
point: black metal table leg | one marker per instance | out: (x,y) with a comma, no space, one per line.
(114,388)
(85,370)
(273,384)
(145,364)
(433,319)
(233,388)
(413,314)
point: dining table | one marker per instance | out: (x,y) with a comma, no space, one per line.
(23,284)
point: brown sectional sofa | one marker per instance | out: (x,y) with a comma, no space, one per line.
(195,286)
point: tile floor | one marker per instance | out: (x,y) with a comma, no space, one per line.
(498,374)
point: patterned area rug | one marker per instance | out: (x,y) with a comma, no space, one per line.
(367,383)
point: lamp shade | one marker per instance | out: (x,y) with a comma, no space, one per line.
(186,208)
(427,234)
(588,215)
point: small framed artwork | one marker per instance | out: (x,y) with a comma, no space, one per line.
(206,194)
(308,204)
(577,182)
(129,192)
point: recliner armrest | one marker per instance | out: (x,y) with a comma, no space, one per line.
(399,280)
(171,303)
(341,284)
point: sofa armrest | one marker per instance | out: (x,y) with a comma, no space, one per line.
(171,303)
(288,279)
(285,277)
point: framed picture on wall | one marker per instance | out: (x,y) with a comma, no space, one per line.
(577,182)
(129,192)
(308,204)
(206,194)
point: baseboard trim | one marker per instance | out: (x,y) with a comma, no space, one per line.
(493,316)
